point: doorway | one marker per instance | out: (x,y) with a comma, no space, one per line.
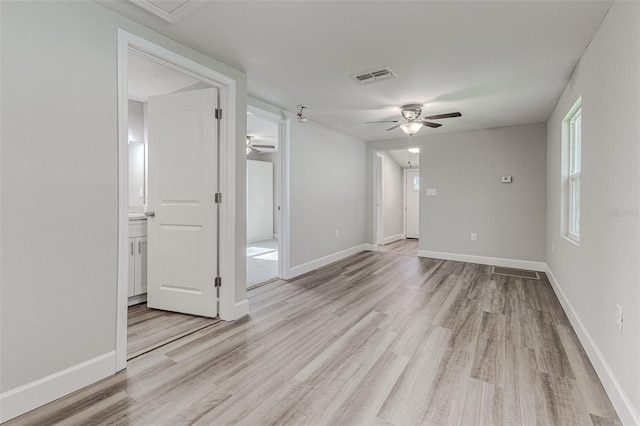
(187,231)
(396,180)
(173,145)
(266,190)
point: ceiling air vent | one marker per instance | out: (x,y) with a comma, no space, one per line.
(374,75)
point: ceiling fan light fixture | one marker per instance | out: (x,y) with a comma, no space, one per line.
(411,127)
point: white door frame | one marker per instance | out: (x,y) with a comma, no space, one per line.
(378,219)
(227,181)
(282,180)
(406,183)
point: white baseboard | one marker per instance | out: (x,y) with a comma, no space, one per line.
(22,399)
(323,261)
(484,260)
(371,247)
(621,402)
(134,300)
(241,309)
(393,238)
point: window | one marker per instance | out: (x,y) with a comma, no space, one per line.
(574,167)
(416,183)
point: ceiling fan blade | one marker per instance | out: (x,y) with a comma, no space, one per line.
(449,115)
(394,127)
(254,145)
(430,124)
(387,121)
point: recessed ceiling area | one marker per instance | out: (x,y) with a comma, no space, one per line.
(170,10)
(498,63)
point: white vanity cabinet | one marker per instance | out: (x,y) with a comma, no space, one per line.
(137,251)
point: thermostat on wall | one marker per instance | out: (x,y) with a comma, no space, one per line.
(506,179)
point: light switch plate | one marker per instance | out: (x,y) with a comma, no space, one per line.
(506,179)
(432,191)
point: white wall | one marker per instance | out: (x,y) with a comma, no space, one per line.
(327,184)
(59,183)
(136,121)
(465,168)
(604,270)
(136,153)
(393,196)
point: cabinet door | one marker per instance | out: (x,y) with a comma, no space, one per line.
(141,265)
(132,267)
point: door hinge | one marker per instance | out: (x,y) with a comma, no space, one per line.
(218,282)
(218,198)
(218,114)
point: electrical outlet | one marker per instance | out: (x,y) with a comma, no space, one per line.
(337,234)
(474,236)
(619,318)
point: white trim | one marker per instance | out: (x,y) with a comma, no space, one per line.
(485,260)
(394,238)
(241,309)
(123,202)
(22,399)
(227,93)
(378,219)
(284,240)
(137,299)
(324,261)
(371,247)
(621,402)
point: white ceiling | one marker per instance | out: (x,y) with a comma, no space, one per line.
(403,157)
(148,78)
(499,63)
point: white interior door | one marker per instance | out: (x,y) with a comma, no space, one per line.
(412,190)
(259,200)
(182,236)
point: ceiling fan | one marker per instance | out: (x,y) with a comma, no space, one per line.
(412,123)
(251,145)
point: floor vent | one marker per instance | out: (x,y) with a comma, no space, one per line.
(372,76)
(519,273)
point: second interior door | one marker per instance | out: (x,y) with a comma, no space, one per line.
(412,190)
(182,236)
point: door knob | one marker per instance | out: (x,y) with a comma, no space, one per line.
(150,214)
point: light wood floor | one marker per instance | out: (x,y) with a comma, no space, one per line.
(149,328)
(408,247)
(377,339)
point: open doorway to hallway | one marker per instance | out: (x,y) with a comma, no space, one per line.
(397,192)
(263,170)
